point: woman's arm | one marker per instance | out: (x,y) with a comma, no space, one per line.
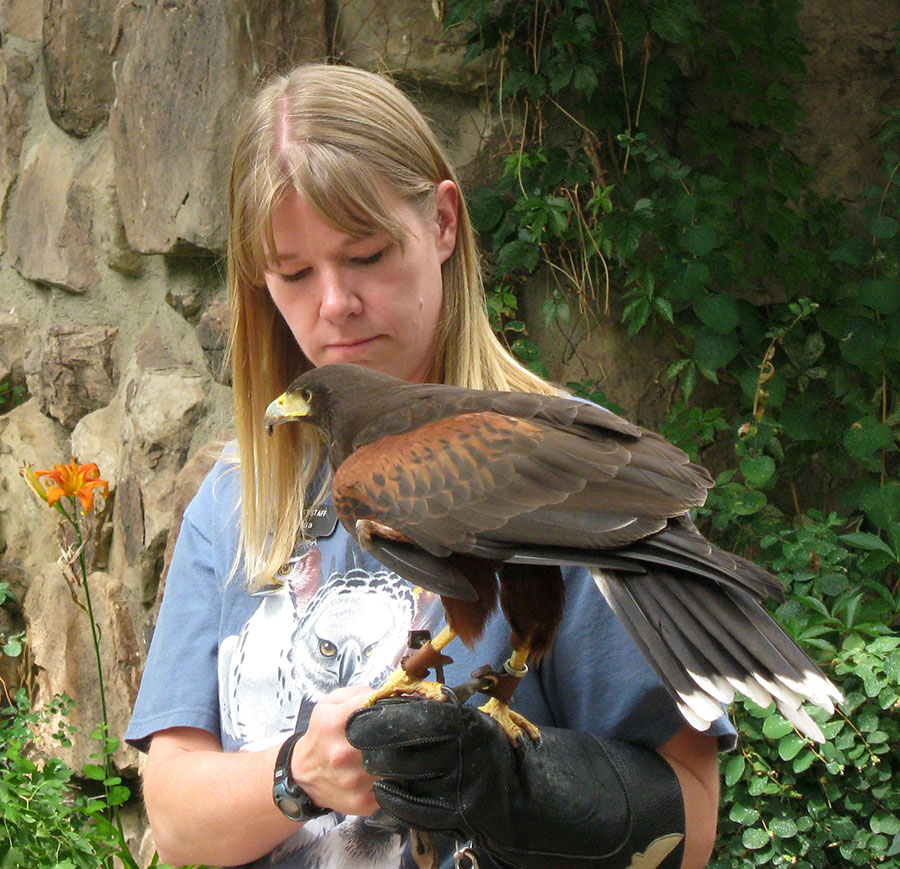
(210,806)
(694,758)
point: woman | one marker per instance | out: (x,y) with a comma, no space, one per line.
(350,242)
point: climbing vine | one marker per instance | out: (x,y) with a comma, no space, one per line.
(647,176)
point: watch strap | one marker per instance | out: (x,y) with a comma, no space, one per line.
(294,802)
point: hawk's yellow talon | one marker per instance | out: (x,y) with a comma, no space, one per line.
(400,682)
(511,723)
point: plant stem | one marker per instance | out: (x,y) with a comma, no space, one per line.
(113,810)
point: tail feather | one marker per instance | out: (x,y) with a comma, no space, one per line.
(706,641)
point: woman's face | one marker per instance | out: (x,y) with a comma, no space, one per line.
(363,300)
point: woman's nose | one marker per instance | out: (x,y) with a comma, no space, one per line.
(339,298)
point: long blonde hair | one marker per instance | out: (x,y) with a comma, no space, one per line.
(339,137)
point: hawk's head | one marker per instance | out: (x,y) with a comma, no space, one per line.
(339,400)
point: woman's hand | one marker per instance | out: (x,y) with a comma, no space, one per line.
(325,765)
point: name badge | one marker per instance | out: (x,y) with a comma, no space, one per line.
(321,521)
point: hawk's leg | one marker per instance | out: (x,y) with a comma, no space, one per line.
(409,677)
(504,684)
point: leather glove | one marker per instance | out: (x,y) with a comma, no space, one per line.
(569,801)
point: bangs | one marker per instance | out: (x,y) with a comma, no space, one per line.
(341,187)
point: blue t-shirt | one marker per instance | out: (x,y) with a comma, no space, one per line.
(249,667)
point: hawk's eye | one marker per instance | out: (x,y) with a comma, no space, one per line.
(285,568)
(307,396)
(367,651)
(327,648)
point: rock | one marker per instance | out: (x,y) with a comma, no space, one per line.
(27,525)
(16,89)
(852,73)
(172,144)
(13,346)
(97,437)
(47,238)
(59,636)
(186,485)
(212,333)
(21,19)
(405,36)
(628,370)
(71,371)
(160,402)
(93,195)
(78,82)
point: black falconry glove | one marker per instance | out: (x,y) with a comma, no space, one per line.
(569,801)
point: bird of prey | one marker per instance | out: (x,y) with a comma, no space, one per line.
(479,496)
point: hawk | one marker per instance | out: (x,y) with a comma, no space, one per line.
(479,496)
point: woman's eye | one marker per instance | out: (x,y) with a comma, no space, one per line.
(371,259)
(294,276)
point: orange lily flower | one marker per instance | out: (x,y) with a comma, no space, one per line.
(69,481)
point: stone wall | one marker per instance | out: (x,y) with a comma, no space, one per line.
(115,121)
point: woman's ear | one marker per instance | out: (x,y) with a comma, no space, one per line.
(446,200)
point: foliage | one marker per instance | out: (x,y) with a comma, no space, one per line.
(43,821)
(649,174)
(11,395)
(10,644)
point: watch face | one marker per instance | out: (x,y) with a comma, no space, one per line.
(290,807)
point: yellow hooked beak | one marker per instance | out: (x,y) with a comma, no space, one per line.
(287,407)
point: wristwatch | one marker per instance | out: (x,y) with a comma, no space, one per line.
(294,802)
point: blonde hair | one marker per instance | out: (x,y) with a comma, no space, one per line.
(339,137)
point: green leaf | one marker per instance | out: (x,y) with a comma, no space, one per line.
(862,341)
(880,294)
(734,769)
(12,647)
(92,771)
(868,541)
(776,726)
(783,828)
(758,470)
(743,815)
(517,255)
(487,208)
(714,351)
(700,240)
(790,745)
(803,761)
(719,313)
(755,838)
(884,227)
(867,437)
(748,503)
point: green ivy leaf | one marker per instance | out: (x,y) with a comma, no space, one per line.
(866,540)
(862,342)
(719,313)
(487,208)
(867,437)
(884,227)
(700,240)
(714,351)
(518,255)
(880,294)
(748,503)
